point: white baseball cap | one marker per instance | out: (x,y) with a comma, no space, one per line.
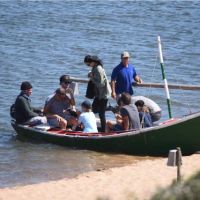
(125,54)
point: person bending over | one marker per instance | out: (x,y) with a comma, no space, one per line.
(145,117)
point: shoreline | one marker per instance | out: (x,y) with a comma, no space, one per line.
(140,180)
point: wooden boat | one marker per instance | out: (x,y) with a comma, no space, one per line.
(157,140)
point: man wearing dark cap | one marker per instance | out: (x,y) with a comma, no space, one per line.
(24,112)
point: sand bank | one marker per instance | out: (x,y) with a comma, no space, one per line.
(140,180)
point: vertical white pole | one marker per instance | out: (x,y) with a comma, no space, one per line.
(164,77)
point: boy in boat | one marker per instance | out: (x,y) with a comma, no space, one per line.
(128,117)
(145,117)
(24,112)
(123,77)
(87,120)
(56,109)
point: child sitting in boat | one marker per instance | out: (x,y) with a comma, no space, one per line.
(87,120)
(145,117)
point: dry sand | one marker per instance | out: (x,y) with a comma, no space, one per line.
(140,180)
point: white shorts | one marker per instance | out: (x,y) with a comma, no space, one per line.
(37,120)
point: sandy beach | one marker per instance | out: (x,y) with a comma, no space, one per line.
(139,180)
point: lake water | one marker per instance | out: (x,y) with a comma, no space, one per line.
(41,40)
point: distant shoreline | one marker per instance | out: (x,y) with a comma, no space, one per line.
(140,180)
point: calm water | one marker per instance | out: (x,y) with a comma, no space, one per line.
(39,41)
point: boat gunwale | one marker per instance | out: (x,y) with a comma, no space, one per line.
(121,134)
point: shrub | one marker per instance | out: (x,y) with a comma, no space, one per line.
(188,190)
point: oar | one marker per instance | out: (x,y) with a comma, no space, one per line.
(148,85)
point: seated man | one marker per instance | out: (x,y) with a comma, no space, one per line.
(69,88)
(56,109)
(24,112)
(145,117)
(128,117)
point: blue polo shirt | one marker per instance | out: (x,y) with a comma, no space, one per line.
(124,77)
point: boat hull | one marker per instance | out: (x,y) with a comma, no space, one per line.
(184,133)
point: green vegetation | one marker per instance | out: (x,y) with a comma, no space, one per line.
(188,190)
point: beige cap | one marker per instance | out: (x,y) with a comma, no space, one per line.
(125,54)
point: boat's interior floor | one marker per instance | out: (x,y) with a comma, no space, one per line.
(65,132)
(54,130)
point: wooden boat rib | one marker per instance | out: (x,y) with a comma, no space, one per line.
(158,140)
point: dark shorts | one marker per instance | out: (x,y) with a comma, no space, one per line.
(117,127)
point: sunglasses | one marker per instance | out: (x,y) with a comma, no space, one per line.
(67,82)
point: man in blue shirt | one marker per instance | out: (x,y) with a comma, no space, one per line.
(123,77)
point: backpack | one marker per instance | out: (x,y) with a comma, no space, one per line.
(12,111)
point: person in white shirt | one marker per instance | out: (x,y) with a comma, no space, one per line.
(87,118)
(154,108)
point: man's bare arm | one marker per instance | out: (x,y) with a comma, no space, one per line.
(113,89)
(125,122)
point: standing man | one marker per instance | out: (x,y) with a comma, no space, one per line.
(123,77)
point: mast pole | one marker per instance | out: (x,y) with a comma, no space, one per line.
(164,77)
